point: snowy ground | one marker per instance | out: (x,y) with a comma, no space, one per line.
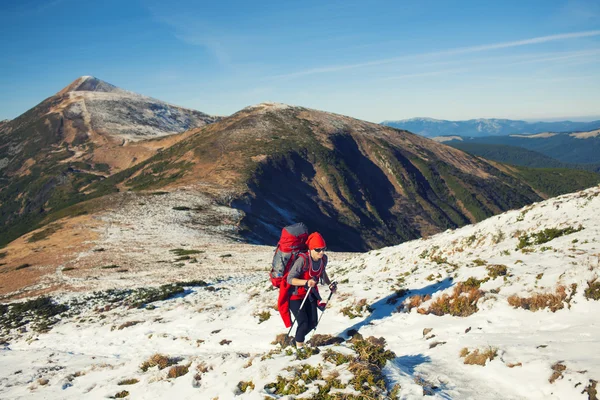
(217,333)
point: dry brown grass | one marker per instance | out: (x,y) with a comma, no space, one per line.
(477,357)
(324,340)
(177,371)
(157,359)
(462,302)
(416,301)
(540,301)
(558,370)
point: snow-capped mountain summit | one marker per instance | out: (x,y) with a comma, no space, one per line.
(92,84)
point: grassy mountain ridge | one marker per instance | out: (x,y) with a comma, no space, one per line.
(360,184)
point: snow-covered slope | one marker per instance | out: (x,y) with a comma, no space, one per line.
(222,333)
(128,115)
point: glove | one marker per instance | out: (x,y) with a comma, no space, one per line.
(333,286)
(321,305)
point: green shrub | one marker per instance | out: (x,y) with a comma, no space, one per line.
(545,236)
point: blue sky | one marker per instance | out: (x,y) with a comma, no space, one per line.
(373,60)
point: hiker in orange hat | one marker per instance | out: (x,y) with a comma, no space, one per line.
(304,275)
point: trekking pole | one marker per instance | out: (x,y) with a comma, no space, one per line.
(323,312)
(334,284)
(301,305)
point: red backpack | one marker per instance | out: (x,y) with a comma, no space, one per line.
(291,243)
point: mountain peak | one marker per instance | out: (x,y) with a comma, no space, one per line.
(89,83)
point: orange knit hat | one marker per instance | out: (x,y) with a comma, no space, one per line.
(315,241)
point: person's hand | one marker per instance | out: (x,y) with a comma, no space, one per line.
(333,286)
(311,283)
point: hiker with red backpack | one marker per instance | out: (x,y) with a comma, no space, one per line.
(305,274)
(298,264)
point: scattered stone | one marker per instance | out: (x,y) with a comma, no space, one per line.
(426,331)
(435,344)
(468,330)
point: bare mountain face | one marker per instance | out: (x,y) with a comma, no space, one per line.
(362,185)
(85,132)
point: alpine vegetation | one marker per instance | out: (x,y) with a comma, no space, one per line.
(465,314)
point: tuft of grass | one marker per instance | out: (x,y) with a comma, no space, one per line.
(479,262)
(462,302)
(318,340)
(496,270)
(557,372)
(591,390)
(593,290)
(414,301)
(477,357)
(157,359)
(544,236)
(41,235)
(181,208)
(22,266)
(112,266)
(128,324)
(132,381)
(2,255)
(177,371)
(121,395)
(336,357)
(184,252)
(540,301)
(356,309)
(224,342)
(263,316)
(244,386)
(474,283)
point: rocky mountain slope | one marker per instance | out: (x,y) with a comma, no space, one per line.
(86,132)
(361,184)
(500,309)
(483,127)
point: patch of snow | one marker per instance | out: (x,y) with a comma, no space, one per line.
(89,354)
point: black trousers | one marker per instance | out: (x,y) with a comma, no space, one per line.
(306,318)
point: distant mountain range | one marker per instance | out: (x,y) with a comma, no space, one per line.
(430,127)
(579,150)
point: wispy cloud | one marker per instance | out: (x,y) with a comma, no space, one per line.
(26,8)
(455,51)
(422,74)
